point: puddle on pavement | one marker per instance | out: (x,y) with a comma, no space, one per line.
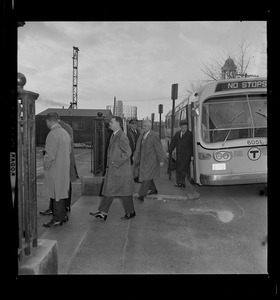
(223,216)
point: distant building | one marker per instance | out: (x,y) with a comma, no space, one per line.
(81,121)
(130,112)
(118,108)
(229,69)
(124,111)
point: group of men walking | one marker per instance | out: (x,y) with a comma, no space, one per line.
(132,157)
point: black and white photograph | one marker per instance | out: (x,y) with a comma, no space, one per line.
(141,148)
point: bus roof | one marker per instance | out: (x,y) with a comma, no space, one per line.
(232,86)
(226,86)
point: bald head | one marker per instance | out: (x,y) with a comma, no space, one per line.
(147,125)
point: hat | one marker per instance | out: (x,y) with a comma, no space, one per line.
(183,122)
(133,121)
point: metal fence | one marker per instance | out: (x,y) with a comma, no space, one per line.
(26,170)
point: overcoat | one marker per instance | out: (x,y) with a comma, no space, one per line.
(57,164)
(148,154)
(118,179)
(184,149)
(132,137)
(73,168)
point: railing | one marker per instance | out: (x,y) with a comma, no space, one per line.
(26,170)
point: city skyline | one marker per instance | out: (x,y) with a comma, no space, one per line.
(124,111)
(136,62)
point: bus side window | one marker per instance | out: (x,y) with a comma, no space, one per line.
(205,126)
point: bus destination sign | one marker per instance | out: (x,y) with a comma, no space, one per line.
(240,85)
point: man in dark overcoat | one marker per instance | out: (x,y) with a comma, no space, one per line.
(183,142)
(133,134)
(148,158)
(118,182)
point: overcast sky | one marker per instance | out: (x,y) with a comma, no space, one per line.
(135,61)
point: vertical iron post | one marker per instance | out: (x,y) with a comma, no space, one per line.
(114,108)
(153,120)
(174,96)
(98,145)
(26,176)
(160,110)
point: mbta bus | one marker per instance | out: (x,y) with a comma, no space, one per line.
(228,119)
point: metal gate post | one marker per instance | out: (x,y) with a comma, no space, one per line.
(98,144)
(26,175)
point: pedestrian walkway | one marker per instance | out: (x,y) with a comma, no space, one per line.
(87,245)
(167,190)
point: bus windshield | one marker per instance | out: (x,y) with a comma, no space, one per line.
(234,117)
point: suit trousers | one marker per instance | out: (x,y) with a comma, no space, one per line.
(145,186)
(181,176)
(58,209)
(67,200)
(106,202)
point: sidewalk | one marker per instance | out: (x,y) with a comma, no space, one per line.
(86,245)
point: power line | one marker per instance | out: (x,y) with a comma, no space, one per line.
(152,99)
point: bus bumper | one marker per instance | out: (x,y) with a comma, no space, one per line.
(228,179)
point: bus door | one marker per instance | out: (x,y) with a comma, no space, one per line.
(192,115)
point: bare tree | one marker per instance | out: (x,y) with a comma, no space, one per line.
(241,58)
(194,85)
(213,69)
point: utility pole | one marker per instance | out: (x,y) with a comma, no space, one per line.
(174,96)
(153,119)
(74,103)
(114,108)
(160,110)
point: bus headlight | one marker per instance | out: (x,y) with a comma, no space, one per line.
(204,155)
(222,155)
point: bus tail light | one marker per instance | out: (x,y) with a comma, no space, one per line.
(204,155)
(222,155)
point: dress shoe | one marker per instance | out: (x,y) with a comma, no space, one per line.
(178,184)
(95,213)
(53,223)
(140,198)
(128,216)
(101,216)
(46,212)
(66,219)
(153,192)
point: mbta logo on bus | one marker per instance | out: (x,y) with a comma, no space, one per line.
(254,153)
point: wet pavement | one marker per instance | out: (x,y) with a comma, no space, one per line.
(198,230)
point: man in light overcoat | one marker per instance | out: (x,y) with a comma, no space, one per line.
(73,167)
(148,158)
(57,168)
(118,182)
(73,171)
